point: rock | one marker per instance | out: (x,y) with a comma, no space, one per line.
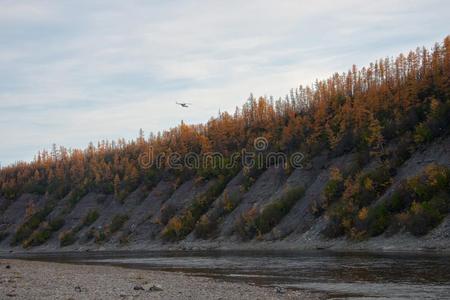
(152,287)
(8,267)
(138,288)
(280,290)
(78,289)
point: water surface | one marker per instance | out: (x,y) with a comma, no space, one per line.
(337,275)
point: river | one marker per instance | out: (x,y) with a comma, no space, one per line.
(334,274)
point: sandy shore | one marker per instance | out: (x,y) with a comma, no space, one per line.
(41,280)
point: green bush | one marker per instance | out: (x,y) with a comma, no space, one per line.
(334,187)
(167,212)
(333,190)
(38,237)
(399,200)
(208,224)
(31,224)
(230,202)
(261,222)
(180,227)
(34,188)
(345,215)
(43,233)
(76,194)
(100,236)
(272,214)
(250,177)
(422,134)
(422,217)
(378,220)
(420,203)
(403,151)
(117,223)
(67,238)
(205,227)
(103,234)
(56,224)
(334,228)
(90,218)
(90,234)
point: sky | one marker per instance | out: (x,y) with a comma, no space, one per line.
(72,72)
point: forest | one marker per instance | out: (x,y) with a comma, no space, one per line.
(384,111)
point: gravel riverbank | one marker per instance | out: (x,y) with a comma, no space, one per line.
(42,280)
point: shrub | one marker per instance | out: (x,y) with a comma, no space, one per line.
(333,190)
(43,233)
(75,195)
(100,236)
(31,223)
(250,176)
(421,219)
(258,223)
(180,227)
(173,229)
(34,188)
(167,212)
(403,150)
(90,234)
(369,186)
(360,192)
(272,214)
(422,134)
(38,237)
(67,238)
(205,227)
(90,218)
(117,223)
(56,224)
(420,203)
(334,227)
(103,234)
(399,200)
(230,202)
(245,224)
(427,215)
(334,187)
(378,220)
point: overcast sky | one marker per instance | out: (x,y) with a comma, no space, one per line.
(72,72)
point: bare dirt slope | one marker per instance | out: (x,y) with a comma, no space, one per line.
(148,212)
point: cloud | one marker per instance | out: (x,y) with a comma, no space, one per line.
(75,72)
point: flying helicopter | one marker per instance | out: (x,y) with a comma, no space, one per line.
(184,104)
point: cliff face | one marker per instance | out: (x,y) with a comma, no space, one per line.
(140,221)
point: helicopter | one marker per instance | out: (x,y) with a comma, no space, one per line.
(184,104)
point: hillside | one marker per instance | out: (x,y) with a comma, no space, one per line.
(373,171)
